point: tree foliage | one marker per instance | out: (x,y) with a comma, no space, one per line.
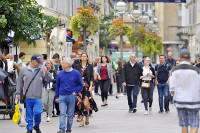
(25,18)
(149,42)
(104,38)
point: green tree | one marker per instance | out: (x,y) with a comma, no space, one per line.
(104,38)
(149,43)
(25,18)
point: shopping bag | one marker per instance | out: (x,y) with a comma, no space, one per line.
(22,121)
(17,114)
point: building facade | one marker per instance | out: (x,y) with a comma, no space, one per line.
(188,28)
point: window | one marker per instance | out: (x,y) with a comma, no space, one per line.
(51,3)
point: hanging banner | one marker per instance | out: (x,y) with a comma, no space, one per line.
(167,1)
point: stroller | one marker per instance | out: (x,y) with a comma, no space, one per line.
(7,93)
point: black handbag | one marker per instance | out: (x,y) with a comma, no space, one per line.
(23,97)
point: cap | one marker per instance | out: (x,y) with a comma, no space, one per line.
(37,58)
(185,53)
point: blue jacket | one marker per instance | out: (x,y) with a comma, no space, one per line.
(68,82)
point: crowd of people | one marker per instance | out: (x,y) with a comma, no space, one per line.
(66,85)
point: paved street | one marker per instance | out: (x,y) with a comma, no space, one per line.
(112,119)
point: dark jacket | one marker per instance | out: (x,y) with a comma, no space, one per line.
(89,74)
(153,72)
(53,79)
(131,75)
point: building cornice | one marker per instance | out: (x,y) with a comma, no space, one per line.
(54,11)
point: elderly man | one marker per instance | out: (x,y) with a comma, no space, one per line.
(130,79)
(170,60)
(31,80)
(68,84)
(184,82)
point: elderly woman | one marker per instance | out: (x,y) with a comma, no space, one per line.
(147,77)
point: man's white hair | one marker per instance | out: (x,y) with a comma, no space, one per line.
(68,61)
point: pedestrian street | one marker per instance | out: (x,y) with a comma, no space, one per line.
(112,119)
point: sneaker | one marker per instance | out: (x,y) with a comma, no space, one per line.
(54,115)
(60,131)
(134,110)
(48,119)
(160,111)
(37,129)
(142,101)
(167,110)
(29,131)
(150,110)
(130,110)
(146,112)
(68,132)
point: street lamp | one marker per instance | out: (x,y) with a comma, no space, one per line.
(121,8)
(84,30)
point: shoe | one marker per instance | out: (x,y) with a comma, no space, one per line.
(48,119)
(54,115)
(134,110)
(68,131)
(87,120)
(37,129)
(160,111)
(29,131)
(146,112)
(171,102)
(150,110)
(103,105)
(167,110)
(130,110)
(60,131)
(81,124)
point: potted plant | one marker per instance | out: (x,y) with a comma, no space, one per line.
(84,18)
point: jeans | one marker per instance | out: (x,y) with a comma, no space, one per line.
(96,84)
(147,94)
(135,89)
(119,83)
(66,106)
(33,110)
(104,85)
(163,89)
(47,100)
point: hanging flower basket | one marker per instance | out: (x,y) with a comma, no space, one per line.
(84,18)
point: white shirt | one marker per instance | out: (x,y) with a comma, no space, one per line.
(132,64)
(186,86)
(145,72)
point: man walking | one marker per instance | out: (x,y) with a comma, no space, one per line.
(33,92)
(185,82)
(130,79)
(170,60)
(68,84)
(162,80)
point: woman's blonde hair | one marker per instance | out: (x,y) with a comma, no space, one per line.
(52,64)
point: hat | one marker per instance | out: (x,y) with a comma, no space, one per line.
(37,58)
(185,53)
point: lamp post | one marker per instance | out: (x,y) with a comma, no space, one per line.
(141,17)
(84,30)
(121,8)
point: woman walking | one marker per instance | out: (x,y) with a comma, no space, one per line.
(147,77)
(86,71)
(49,90)
(105,76)
(119,79)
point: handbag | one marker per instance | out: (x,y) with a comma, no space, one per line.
(23,99)
(145,85)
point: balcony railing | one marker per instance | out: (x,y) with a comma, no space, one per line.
(186,30)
